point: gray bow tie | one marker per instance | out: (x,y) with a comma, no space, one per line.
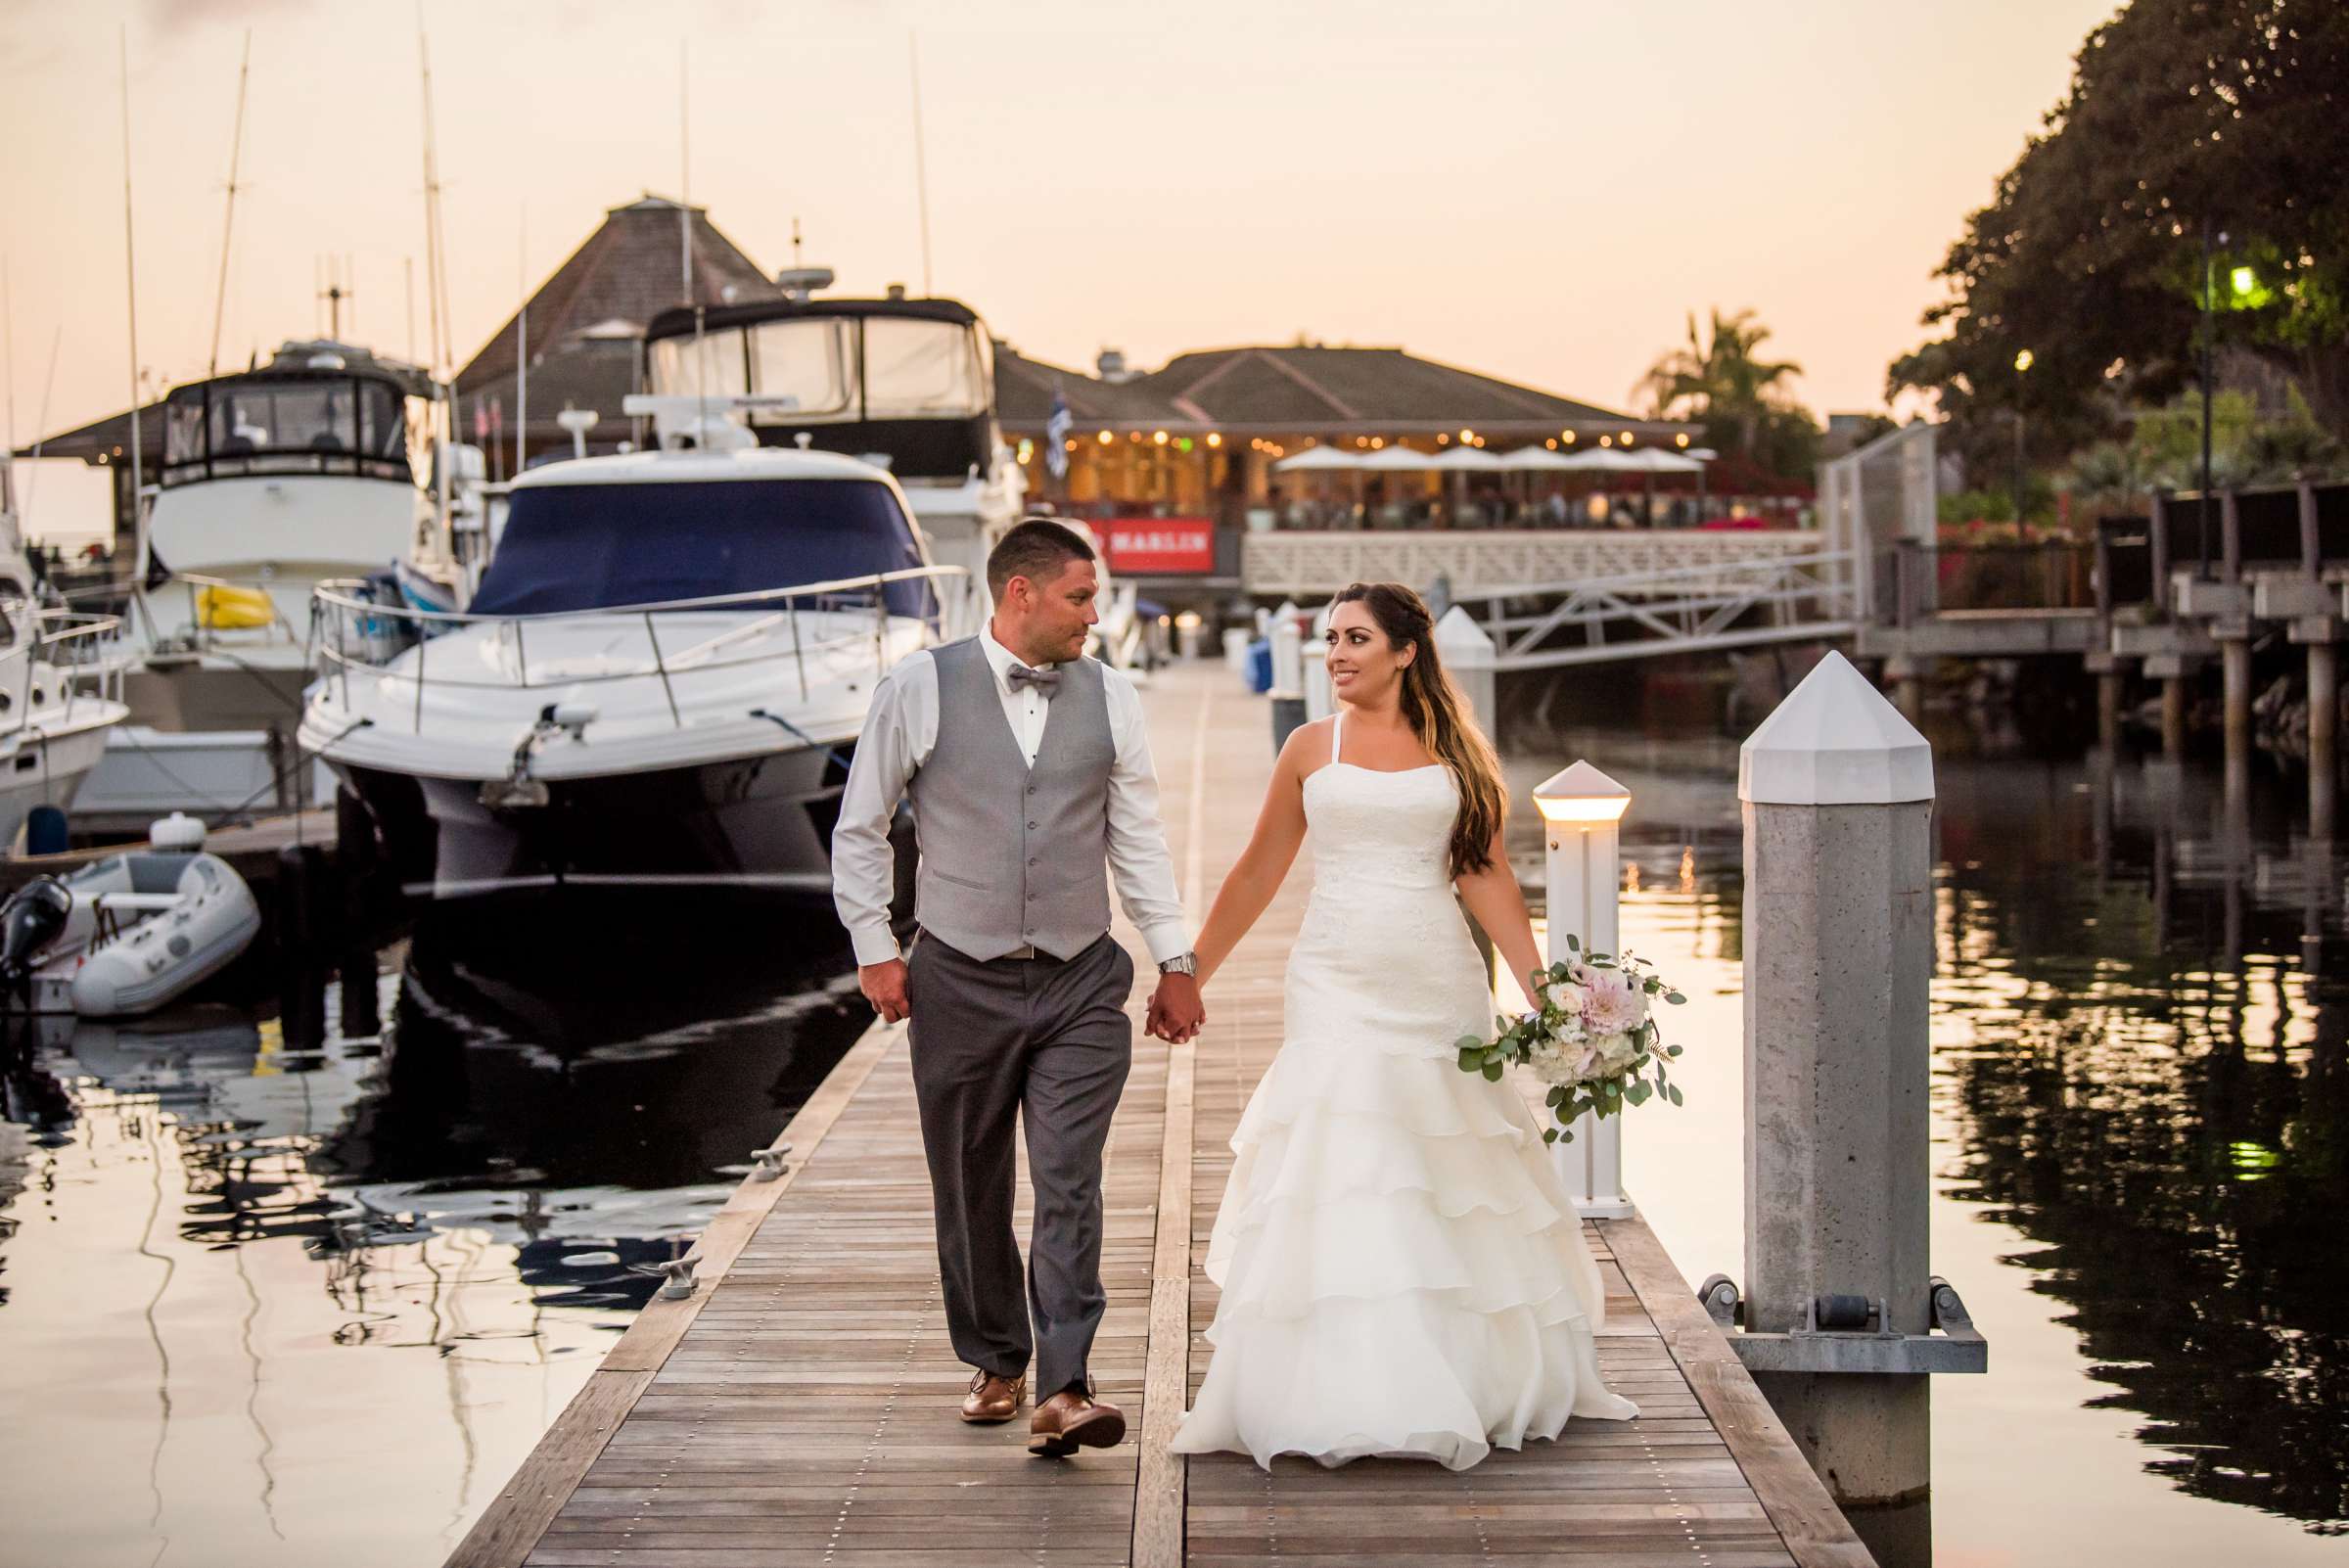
(1044,681)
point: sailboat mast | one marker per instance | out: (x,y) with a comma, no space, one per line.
(130,279)
(684,174)
(228,225)
(921,165)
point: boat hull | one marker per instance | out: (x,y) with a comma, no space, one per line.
(758,824)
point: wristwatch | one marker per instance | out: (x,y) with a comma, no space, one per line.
(1186,963)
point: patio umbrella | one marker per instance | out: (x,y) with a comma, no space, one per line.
(1532,460)
(1397,460)
(1321,460)
(1461,461)
(1318,457)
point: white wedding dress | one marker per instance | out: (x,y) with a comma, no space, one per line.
(1402,1272)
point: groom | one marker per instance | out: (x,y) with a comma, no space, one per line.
(1029,770)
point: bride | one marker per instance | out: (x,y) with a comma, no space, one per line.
(1402,1272)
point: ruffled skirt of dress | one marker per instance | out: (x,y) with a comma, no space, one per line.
(1402,1272)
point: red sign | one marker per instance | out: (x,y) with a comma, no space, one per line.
(1141,545)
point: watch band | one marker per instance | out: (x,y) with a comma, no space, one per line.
(1186,963)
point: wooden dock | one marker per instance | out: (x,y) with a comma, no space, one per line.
(799,1409)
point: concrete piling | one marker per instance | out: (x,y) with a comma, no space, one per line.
(1837,793)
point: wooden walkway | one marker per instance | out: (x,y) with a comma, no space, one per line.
(798,1410)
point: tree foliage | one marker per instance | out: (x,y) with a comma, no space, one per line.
(2180,111)
(1720,378)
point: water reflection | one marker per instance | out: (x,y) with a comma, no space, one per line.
(2140,1015)
(277,1304)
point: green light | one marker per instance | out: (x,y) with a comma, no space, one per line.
(1183,444)
(2243,279)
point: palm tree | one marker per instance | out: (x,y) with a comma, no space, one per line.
(1720,378)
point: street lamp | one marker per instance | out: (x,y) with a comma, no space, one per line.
(1580,809)
(2022,362)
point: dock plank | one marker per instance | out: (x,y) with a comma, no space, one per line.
(800,1407)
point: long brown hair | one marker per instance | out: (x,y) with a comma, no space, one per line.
(1442,720)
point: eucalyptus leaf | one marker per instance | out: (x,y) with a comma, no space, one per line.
(1492,1072)
(1674,1094)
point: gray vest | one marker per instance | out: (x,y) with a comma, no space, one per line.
(1013,856)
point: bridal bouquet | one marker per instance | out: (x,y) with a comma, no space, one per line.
(1591,1040)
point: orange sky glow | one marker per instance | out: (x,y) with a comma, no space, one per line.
(1540,191)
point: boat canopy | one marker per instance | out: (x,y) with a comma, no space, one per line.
(568,548)
(292,421)
(911,379)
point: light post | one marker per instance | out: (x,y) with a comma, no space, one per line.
(2022,364)
(577,421)
(1579,810)
(2209,316)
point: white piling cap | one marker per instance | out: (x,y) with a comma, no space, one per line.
(1461,641)
(178,831)
(1835,741)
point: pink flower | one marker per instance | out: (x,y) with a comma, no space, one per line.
(1614,1004)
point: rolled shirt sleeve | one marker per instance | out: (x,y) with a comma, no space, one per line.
(1139,864)
(899,729)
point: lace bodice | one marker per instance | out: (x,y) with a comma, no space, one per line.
(1381,908)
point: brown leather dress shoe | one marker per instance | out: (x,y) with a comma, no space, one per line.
(1072,1419)
(992,1400)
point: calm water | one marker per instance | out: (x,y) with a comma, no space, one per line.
(259,1307)
(262,1307)
(2140,1141)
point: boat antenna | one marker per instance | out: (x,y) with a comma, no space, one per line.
(686,178)
(228,225)
(795,242)
(130,281)
(436,256)
(921,167)
(521,338)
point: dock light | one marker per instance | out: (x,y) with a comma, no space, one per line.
(2023,360)
(1579,810)
(1105,438)
(2242,280)
(1159,437)
(1214,438)
(1581,794)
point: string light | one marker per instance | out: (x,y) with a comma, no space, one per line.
(1682,439)
(1214,438)
(1105,438)
(1607,441)
(1158,437)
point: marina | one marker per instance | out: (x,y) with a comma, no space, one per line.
(491,671)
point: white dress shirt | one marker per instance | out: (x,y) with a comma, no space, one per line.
(900,733)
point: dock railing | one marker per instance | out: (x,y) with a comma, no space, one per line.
(350,630)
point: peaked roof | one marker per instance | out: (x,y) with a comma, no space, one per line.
(1297,388)
(621,276)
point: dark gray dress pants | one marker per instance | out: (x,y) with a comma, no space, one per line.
(1047,1042)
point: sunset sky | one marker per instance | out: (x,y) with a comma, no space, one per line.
(1542,191)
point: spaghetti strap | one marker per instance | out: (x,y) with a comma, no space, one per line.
(1336,719)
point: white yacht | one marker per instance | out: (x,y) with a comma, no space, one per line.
(58,695)
(311,468)
(907,384)
(659,679)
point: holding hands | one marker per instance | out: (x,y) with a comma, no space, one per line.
(1177,1009)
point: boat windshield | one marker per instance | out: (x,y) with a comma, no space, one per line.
(287,424)
(574,547)
(835,368)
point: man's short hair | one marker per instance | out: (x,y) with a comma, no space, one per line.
(1036,548)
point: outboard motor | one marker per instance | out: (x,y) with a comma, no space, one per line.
(29,921)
